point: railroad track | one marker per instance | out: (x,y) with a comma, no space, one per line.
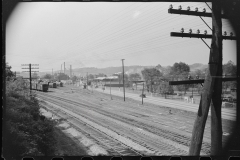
(229,115)
(130,151)
(184,140)
(111,145)
(226,114)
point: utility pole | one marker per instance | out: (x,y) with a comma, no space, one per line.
(123,79)
(64,67)
(110,89)
(87,80)
(70,71)
(92,87)
(30,72)
(211,92)
(30,77)
(61,69)
(142,92)
(216,56)
(212,88)
(52,71)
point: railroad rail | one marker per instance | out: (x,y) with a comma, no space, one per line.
(112,146)
(184,140)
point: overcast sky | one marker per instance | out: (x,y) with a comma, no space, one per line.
(100,34)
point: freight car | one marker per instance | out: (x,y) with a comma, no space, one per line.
(34,85)
(52,85)
(42,87)
(59,84)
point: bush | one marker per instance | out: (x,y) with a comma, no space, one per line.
(27,132)
(16,88)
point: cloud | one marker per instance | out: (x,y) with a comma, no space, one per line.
(136,14)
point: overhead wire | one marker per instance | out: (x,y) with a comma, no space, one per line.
(142,51)
(130,56)
(129,46)
(159,47)
(146,49)
(83,37)
(102,33)
(101,44)
(100,36)
(97,26)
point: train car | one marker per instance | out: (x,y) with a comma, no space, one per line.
(60,84)
(42,87)
(52,85)
(34,85)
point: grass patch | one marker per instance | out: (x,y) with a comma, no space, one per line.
(66,146)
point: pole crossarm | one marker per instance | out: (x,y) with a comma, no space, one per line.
(137,81)
(193,13)
(28,64)
(29,78)
(31,68)
(193,35)
(186,82)
(199,81)
(29,71)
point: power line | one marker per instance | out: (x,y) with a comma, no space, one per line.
(97,26)
(99,44)
(101,32)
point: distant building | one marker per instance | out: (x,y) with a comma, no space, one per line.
(117,74)
(19,77)
(66,81)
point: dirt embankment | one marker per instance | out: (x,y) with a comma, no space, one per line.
(66,145)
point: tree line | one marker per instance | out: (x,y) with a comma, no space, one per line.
(157,78)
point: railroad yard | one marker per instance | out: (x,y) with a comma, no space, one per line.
(110,126)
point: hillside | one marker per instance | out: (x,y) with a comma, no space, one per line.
(108,70)
(112,70)
(196,66)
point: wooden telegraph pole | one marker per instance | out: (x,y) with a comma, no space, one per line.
(123,80)
(211,92)
(215,60)
(30,77)
(87,80)
(64,67)
(110,89)
(142,92)
(30,73)
(212,89)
